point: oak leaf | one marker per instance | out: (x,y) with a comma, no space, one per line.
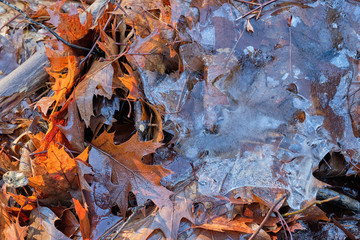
(69,26)
(42,225)
(64,70)
(57,170)
(98,81)
(121,171)
(167,219)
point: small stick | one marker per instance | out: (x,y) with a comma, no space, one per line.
(310,205)
(255,9)
(349,234)
(45,27)
(267,216)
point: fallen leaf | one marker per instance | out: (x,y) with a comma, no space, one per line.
(83,218)
(44,104)
(249,27)
(57,170)
(122,171)
(64,70)
(42,226)
(167,219)
(151,53)
(98,81)
(74,128)
(222,223)
(130,82)
(69,26)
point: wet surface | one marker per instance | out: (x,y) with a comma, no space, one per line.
(264,107)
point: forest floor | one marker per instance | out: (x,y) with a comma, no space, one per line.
(171,119)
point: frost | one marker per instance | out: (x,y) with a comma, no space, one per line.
(340,61)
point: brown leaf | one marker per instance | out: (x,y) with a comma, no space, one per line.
(130,82)
(44,104)
(122,171)
(74,128)
(167,219)
(249,27)
(83,169)
(98,81)
(222,223)
(42,225)
(10,228)
(151,53)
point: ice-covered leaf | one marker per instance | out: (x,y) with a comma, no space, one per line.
(120,170)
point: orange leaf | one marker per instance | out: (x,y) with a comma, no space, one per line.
(63,81)
(83,218)
(131,83)
(69,26)
(222,223)
(58,171)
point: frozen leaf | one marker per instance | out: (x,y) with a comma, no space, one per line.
(167,219)
(122,171)
(83,169)
(42,225)
(98,81)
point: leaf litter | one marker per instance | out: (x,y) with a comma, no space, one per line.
(190,120)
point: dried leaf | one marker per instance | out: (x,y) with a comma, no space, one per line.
(74,128)
(98,81)
(83,218)
(42,225)
(64,70)
(69,26)
(222,223)
(57,170)
(131,82)
(249,27)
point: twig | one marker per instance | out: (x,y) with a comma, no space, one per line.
(349,234)
(254,3)
(45,27)
(255,9)
(267,216)
(8,22)
(285,225)
(310,205)
(93,47)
